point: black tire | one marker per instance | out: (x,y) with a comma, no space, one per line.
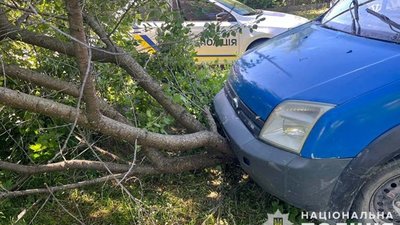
(256,43)
(380,194)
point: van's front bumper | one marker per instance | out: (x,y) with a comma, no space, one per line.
(305,183)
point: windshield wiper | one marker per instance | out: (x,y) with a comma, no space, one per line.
(385,19)
(355,26)
(345,11)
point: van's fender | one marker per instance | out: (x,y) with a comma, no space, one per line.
(384,149)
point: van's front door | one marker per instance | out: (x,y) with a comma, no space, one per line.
(199,13)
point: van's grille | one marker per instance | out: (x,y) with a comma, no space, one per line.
(253,122)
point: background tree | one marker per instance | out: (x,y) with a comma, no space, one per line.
(263,4)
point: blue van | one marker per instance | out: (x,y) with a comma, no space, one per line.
(313,115)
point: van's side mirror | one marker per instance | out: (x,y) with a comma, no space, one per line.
(222,16)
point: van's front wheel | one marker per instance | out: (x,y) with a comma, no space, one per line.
(381,196)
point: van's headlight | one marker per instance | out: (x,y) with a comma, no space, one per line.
(290,123)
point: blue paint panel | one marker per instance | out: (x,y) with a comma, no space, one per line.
(359,75)
(346,130)
(303,64)
(150,42)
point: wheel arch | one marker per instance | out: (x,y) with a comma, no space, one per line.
(382,150)
(253,43)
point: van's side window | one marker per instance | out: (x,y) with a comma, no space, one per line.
(201,10)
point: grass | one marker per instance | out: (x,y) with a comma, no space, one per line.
(221,195)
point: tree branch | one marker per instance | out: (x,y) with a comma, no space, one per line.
(76,164)
(44,106)
(117,56)
(114,128)
(182,142)
(132,67)
(60,86)
(210,119)
(8,30)
(162,163)
(82,55)
(112,123)
(48,190)
(155,90)
(95,25)
(41,80)
(173,165)
(29,11)
(102,151)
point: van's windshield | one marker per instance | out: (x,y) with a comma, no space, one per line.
(379,19)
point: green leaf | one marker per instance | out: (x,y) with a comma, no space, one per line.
(38,147)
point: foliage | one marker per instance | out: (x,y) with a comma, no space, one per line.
(268,4)
(188,83)
(263,4)
(312,13)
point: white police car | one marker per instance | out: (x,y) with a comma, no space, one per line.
(228,13)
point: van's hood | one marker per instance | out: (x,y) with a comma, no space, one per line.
(313,63)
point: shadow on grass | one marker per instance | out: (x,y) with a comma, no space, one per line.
(221,195)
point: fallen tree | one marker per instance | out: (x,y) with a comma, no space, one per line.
(92,112)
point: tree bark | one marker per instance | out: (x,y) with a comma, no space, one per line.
(83,58)
(114,128)
(60,86)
